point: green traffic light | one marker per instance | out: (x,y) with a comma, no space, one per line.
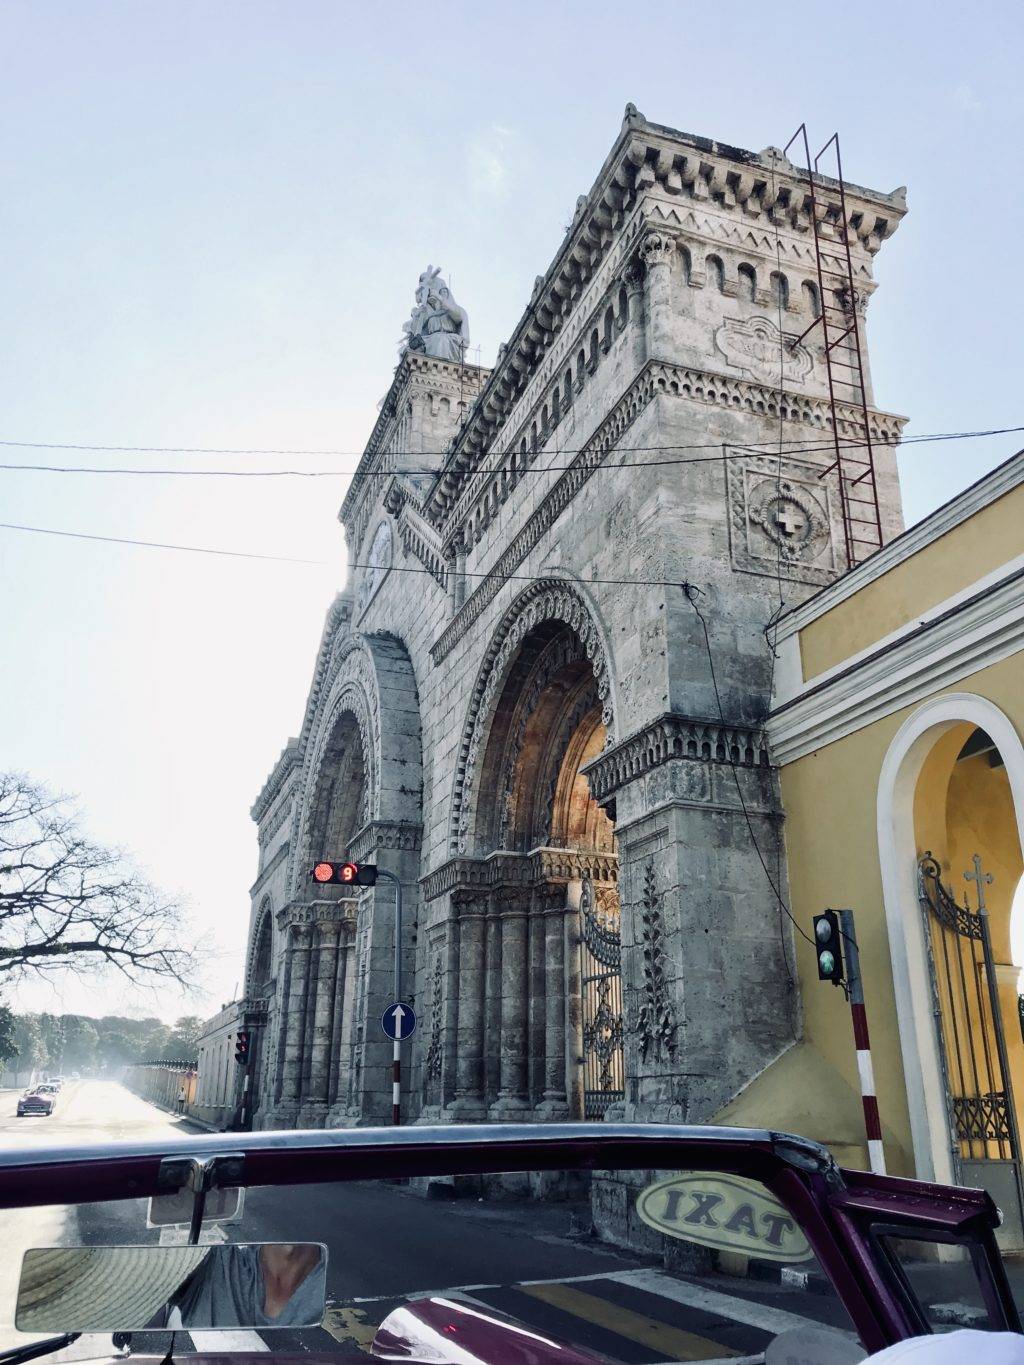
(827,962)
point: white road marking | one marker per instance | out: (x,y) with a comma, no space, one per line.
(217,1343)
(747,1311)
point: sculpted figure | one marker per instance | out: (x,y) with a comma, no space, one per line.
(437,326)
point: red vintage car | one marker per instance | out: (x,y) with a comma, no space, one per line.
(535,1243)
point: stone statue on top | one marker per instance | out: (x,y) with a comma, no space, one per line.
(437,325)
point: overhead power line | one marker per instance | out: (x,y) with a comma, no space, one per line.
(320,563)
(775,447)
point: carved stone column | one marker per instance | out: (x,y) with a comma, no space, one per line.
(492,1002)
(469,1065)
(341,1082)
(633,279)
(299,937)
(512,1096)
(342,990)
(536,993)
(555,1103)
(314,1106)
(657,249)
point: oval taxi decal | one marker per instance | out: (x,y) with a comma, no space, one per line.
(726,1212)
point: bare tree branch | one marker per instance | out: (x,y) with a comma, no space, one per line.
(67,904)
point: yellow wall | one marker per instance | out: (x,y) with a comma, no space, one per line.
(976,547)
(830,799)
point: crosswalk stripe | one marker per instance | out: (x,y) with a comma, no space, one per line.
(669,1341)
(746,1311)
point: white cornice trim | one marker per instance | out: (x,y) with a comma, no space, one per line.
(971,635)
(993,486)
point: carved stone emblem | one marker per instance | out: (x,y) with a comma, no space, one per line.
(781,519)
(753,346)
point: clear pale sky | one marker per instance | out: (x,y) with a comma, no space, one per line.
(212,218)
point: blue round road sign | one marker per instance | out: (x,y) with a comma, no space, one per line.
(398,1022)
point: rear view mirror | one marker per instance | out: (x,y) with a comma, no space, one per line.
(222,1205)
(127,1289)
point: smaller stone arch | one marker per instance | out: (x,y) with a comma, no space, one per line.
(261,951)
(547,600)
(362,758)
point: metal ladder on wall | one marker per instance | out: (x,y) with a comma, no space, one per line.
(854,460)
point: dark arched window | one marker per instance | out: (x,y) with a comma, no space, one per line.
(780,289)
(811,300)
(716,272)
(747,282)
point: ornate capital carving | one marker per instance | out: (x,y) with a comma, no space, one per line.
(656,248)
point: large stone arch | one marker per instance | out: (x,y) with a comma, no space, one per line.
(363,735)
(548,602)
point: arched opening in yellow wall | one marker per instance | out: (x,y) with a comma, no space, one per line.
(965,819)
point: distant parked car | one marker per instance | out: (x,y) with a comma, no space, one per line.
(40,1101)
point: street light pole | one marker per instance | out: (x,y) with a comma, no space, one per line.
(396,1047)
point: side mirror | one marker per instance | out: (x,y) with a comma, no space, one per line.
(127,1289)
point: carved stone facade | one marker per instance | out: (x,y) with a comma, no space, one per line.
(516,696)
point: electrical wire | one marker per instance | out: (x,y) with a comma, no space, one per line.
(809,446)
(322,563)
(691,592)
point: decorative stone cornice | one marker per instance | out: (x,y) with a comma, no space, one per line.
(518,871)
(653,163)
(656,378)
(274,784)
(673,736)
(390,834)
(304,914)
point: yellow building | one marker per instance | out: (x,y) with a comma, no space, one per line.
(897,724)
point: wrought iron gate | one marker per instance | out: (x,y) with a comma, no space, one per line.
(601,987)
(972,1044)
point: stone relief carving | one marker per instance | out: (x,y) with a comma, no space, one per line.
(437,326)
(656,1021)
(436,1045)
(761,351)
(378,561)
(781,519)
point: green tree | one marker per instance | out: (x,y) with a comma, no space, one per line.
(183,1041)
(81,1044)
(8,1044)
(28,1040)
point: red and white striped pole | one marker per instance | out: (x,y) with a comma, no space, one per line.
(869,1099)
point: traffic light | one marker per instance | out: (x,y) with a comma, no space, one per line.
(345,874)
(242,1040)
(828,945)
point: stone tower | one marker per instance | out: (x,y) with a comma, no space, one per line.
(519,707)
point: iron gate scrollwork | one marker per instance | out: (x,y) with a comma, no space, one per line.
(971,1037)
(601,985)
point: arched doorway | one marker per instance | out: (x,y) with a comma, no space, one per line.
(547,724)
(337,810)
(950,818)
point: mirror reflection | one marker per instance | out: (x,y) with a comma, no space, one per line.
(125,1289)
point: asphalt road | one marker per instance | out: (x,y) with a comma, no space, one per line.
(387,1243)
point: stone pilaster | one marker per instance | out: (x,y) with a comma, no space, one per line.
(554,1103)
(469,1103)
(512,1102)
(299,941)
(341,1032)
(317,1097)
